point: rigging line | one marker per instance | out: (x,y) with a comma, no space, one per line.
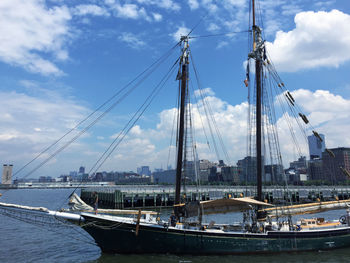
(200,116)
(205,110)
(198,23)
(194,151)
(172,131)
(151,98)
(43,224)
(302,126)
(289,122)
(220,34)
(125,127)
(96,110)
(92,123)
(211,114)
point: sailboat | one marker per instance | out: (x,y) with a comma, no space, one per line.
(259,232)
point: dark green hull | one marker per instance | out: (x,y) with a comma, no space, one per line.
(121,238)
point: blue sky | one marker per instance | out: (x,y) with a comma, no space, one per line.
(59,60)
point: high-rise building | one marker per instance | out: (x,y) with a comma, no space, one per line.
(145,170)
(334,167)
(81,169)
(7,174)
(299,164)
(273,173)
(315,170)
(247,169)
(316,147)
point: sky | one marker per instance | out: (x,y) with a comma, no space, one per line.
(60,60)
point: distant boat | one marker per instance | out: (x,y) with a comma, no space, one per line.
(262,230)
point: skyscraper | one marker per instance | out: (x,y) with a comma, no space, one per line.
(316,147)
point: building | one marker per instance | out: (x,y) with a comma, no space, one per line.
(7,174)
(315,170)
(299,164)
(273,173)
(316,147)
(144,170)
(164,177)
(333,167)
(230,174)
(81,169)
(247,169)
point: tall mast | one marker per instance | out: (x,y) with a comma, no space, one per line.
(257,53)
(184,76)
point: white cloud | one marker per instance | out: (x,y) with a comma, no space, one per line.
(131,40)
(130,11)
(166,4)
(28,30)
(204,92)
(329,113)
(193,4)
(319,39)
(157,17)
(95,10)
(181,31)
(222,44)
(213,27)
(29,124)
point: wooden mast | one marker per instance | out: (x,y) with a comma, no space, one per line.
(258,57)
(183,89)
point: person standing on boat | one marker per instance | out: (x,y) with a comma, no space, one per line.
(95,198)
(172,219)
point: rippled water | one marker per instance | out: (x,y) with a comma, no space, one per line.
(23,242)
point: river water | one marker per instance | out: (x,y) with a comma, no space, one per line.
(25,242)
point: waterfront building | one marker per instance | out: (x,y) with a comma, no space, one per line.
(299,164)
(164,177)
(273,173)
(81,169)
(333,168)
(144,170)
(247,169)
(7,174)
(316,147)
(230,174)
(315,169)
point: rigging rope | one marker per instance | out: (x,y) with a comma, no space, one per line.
(149,70)
(136,117)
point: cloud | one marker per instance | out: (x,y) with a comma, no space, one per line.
(157,17)
(29,33)
(204,92)
(181,31)
(130,11)
(166,4)
(193,4)
(213,27)
(95,10)
(329,114)
(320,39)
(131,40)
(29,124)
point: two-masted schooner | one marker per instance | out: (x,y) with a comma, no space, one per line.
(259,232)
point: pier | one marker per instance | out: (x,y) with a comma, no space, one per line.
(148,196)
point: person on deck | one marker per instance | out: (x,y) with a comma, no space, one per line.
(95,198)
(172,219)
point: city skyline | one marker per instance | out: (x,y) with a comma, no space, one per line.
(63,59)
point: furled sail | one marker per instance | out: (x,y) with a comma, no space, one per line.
(76,204)
(221,206)
(307,208)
